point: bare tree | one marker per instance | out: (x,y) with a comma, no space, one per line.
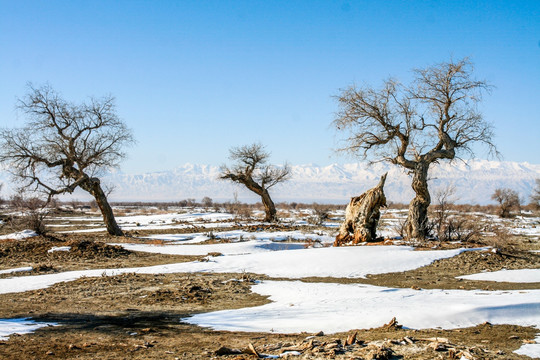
(443,201)
(251,170)
(434,118)
(65,145)
(207,202)
(508,200)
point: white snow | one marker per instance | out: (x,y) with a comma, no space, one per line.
(246,247)
(190,238)
(19,326)
(239,235)
(297,306)
(59,248)
(514,276)
(180,244)
(274,236)
(19,235)
(15,270)
(161,221)
(530,350)
(351,262)
(346,262)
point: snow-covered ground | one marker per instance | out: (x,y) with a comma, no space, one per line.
(21,235)
(348,262)
(342,262)
(237,248)
(59,248)
(531,350)
(299,306)
(16,270)
(154,222)
(19,326)
(241,235)
(516,276)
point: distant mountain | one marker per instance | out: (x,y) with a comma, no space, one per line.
(474,180)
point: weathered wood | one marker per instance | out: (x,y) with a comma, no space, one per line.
(362,216)
(393,324)
(351,339)
(253,351)
(417,220)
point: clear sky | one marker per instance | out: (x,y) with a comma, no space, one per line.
(193,78)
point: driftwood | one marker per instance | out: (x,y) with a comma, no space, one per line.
(362,216)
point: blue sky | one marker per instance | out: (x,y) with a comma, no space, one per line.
(193,78)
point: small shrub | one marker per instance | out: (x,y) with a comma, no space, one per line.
(321,214)
(33,212)
(400,227)
(460,228)
(502,239)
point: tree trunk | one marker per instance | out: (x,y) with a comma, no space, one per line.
(417,220)
(269,207)
(93,186)
(362,216)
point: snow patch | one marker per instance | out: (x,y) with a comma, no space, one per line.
(530,350)
(349,262)
(247,247)
(513,276)
(19,235)
(16,270)
(19,326)
(59,248)
(297,306)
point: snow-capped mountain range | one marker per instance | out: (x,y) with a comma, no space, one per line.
(474,180)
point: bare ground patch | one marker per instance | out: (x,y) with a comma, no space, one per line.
(86,252)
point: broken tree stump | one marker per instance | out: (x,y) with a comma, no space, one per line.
(362,216)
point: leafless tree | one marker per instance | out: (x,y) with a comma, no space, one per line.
(207,202)
(65,145)
(434,118)
(508,200)
(443,200)
(535,196)
(251,170)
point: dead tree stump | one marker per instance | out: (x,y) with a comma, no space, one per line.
(362,216)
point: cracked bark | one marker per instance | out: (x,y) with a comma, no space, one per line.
(416,225)
(362,216)
(93,186)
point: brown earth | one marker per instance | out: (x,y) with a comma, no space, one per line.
(135,316)
(87,252)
